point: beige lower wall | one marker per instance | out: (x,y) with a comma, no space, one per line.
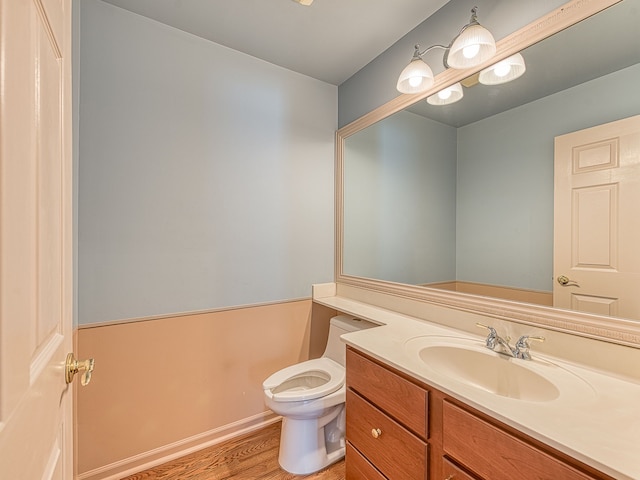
(160,382)
(505,293)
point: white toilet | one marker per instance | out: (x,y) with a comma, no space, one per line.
(310,397)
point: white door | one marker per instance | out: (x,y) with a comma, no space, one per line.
(597,220)
(35,239)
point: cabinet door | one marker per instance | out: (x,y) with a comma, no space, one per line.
(403,400)
(452,472)
(495,454)
(393,449)
(359,468)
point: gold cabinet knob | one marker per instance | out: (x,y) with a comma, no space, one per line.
(73,366)
(376,432)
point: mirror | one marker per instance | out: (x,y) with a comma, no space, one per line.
(460,197)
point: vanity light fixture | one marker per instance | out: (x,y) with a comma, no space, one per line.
(446,96)
(416,77)
(306,3)
(504,71)
(472,46)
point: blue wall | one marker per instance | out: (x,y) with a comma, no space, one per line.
(505,179)
(400,184)
(205,175)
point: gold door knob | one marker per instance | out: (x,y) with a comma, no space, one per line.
(376,432)
(566,281)
(73,366)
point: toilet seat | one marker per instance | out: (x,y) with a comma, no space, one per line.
(305,381)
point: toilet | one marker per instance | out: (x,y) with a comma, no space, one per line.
(310,397)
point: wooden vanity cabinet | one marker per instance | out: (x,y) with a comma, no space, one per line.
(404,400)
(450,471)
(387,423)
(359,468)
(399,428)
(395,451)
(493,453)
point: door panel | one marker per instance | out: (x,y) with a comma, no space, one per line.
(35,239)
(596,228)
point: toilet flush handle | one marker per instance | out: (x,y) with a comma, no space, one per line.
(376,432)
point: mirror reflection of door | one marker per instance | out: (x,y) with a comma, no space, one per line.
(597,220)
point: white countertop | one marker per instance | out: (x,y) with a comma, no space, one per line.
(601,429)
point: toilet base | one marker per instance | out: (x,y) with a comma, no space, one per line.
(309,445)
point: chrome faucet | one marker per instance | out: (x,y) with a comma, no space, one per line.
(521,349)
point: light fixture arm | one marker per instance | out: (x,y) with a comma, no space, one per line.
(419,54)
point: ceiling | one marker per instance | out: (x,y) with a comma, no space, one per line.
(330,40)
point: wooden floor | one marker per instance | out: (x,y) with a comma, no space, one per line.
(253,456)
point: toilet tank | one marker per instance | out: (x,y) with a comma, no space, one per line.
(336,349)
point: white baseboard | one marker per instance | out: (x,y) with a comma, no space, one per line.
(166,453)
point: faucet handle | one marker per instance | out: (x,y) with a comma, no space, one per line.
(524,340)
(492,338)
(492,330)
(522,345)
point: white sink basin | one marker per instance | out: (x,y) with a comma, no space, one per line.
(470,362)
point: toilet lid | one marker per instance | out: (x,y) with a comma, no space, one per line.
(305,381)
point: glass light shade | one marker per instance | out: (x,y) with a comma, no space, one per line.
(474,45)
(504,71)
(447,95)
(416,77)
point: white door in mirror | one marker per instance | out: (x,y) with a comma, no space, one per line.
(596,222)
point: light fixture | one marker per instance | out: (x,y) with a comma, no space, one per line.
(504,71)
(448,95)
(417,76)
(306,3)
(472,46)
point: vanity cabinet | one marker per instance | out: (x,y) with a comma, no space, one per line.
(387,423)
(395,451)
(494,454)
(450,471)
(399,428)
(359,468)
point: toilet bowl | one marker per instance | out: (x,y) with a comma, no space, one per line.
(310,398)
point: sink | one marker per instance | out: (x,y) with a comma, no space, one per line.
(468,361)
(489,371)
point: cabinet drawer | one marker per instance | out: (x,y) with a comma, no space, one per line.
(404,400)
(452,472)
(396,452)
(359,468)
(494,454)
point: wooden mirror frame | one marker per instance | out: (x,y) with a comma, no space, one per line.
(611,329)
